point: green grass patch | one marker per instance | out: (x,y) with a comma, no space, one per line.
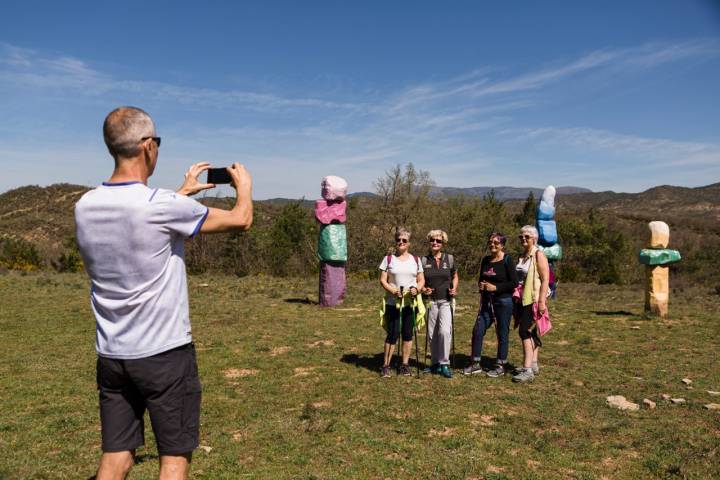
(291,390)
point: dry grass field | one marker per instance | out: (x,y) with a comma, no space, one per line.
(292,391)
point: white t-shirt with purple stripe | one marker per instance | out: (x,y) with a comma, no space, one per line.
(131,238)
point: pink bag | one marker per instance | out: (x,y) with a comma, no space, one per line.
(333,188)
(327,212)
(542,321)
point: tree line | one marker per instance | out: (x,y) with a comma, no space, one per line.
(282,242)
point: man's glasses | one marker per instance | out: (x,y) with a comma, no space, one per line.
(157,140)
(436,240)
(524,237)
(401,240)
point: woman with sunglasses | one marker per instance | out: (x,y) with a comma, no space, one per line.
(400,273)
(441,280)
(534,274)
(497,282)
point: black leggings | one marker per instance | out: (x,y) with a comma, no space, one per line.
(528,328)
(392,315)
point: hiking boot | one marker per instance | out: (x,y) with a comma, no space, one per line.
(473,368)
(497,371)
(385,372)
(404,370)
(432,369)
(526,375)
(445,371)
(535,368)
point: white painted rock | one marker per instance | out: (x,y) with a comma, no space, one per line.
(620,402)
(713,393)
(548,195)
(677,401)
(665,396)
(649,404)
(712,406)
(686,381)
(659,234)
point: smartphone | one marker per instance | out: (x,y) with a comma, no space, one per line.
(218,175)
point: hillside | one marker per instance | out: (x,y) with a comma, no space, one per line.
(503,193)
(44,215)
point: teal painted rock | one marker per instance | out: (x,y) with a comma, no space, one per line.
(552,253)
(332,244)
(660,256)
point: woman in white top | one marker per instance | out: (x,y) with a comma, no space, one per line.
(400,273)
(534,274)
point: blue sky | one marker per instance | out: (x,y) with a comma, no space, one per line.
(610,95)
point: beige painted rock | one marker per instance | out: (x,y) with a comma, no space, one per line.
(649,404)
(620,402)
(713,393)
(659,234)
(686,381)
(657,290)
(665,396)
(712,406)
(677,401)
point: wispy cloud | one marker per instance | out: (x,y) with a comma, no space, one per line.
(449,124)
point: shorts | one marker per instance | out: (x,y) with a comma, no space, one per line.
(528,328)
(167,385)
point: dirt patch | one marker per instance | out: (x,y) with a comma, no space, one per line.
(322,404)
(445,432)
(478,420)
(303,371)
(240,372)
(322,343)
(275,351)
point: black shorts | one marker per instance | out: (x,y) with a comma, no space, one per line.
(528,327)
(167,385)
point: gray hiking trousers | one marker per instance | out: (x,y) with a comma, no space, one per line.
(439,325)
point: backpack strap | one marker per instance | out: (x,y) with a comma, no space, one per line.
(417,264)
(389,258)
(450,261)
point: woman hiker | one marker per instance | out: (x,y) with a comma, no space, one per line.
(534,275)
(402,278)
(441,283)
(497,282)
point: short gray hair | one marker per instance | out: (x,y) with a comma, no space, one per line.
(123,129)
(402,232)
(530,230)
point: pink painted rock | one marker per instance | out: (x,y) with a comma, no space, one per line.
(330,211)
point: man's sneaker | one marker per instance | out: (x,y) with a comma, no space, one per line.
(445,371)
(536,368)
(433,369)
(526,375)
(404,370)
(385,372)
(497,371)
(473,368)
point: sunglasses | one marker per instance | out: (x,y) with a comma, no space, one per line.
(524,237)
(402,240)
(157,140)
(436,240)
(494,242)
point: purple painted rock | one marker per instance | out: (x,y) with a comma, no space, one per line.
(332,284)
(330,211)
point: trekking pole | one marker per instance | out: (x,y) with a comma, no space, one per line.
(452,328)
(399,343)
(417,349)
(427,331)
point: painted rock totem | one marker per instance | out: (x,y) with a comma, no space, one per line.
(656,258)
(547,231)
(332,243)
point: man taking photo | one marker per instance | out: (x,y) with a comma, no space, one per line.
(131,238)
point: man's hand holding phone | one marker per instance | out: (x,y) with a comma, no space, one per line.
(192,185)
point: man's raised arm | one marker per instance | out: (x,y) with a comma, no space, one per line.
(240,217)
